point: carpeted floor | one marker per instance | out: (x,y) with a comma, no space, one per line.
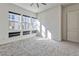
(39,47)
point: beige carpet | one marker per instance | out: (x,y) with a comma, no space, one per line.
(39,47)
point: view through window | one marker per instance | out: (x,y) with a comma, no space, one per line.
(14,21)
(25,22)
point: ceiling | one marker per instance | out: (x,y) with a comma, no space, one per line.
(34,8)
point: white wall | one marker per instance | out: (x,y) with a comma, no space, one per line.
(51,19)
(4,23)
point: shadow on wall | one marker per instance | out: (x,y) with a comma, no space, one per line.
(46,34)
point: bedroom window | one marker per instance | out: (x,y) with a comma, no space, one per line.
(14,21)
(25,22)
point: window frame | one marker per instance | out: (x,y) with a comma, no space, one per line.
(26,22)
(18,22)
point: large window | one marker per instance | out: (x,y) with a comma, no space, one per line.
(25,22)
(14,21)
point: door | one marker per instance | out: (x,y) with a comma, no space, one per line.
(73,26)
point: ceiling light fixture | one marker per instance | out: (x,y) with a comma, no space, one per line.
(37,4)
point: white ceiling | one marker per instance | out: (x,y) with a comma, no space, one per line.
(34,8)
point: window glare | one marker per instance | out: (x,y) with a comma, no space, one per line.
(48,34)
(38,25)
(43,31)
